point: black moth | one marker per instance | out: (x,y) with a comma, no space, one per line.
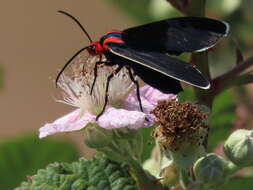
(144,50)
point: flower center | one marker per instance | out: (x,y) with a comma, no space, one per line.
(77,84)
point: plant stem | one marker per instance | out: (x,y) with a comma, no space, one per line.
(143,179)
(233,77)
(203,96)
(238,69)
(197,8)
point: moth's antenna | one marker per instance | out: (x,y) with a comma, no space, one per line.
(79,24)
(66,64)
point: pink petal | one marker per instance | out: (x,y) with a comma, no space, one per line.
(119,118)
(69,122)
(153,95)
(149,98)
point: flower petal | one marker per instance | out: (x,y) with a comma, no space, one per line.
(153,95)
(149,99)
(119,118)
(70,122)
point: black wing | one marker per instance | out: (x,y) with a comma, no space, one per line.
(157,80)
(176,35)
(157,69)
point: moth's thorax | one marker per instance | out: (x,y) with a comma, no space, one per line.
(111,37)
(99,47)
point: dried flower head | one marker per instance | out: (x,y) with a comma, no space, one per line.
(179,123)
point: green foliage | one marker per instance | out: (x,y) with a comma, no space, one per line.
(98,173)
(138,11)
(186,95)
(244,183)
(222,117)
(143,10)
(23,156)
(148,143)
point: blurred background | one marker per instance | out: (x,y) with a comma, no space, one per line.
(36,41)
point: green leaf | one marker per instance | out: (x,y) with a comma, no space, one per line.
(98,173)
(222,117)
(22,156)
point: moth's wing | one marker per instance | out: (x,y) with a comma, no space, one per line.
(176,35)
(149,64)
(157,80)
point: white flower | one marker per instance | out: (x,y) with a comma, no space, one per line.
(123,107)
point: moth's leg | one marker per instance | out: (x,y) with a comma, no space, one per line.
(96,73)
(107,88)
(137,87)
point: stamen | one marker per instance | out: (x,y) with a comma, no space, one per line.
(76,85)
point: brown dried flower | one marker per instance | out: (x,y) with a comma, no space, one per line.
(179,123)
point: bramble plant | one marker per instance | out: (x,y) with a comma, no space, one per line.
(181,156)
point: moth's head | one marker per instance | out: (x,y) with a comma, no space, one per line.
(95,49)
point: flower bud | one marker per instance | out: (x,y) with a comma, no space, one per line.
(210,171)
(97,137)
(239,147)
